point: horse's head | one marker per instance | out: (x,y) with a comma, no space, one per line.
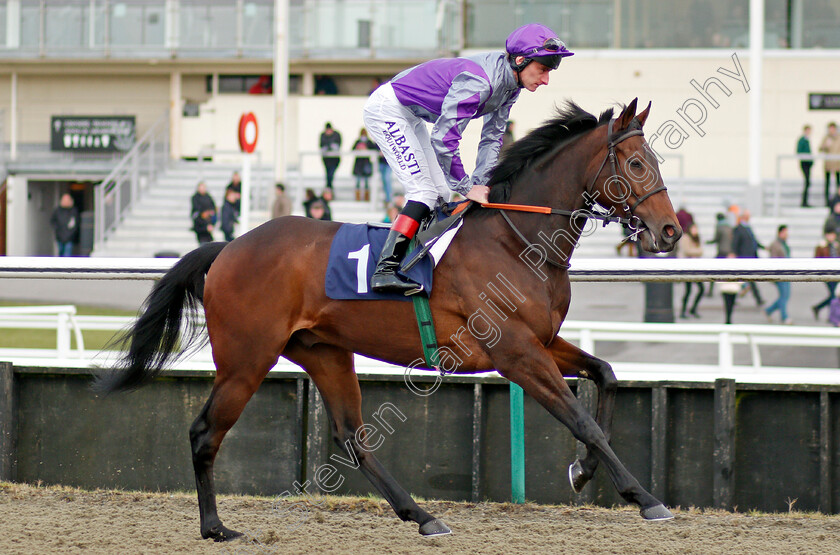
(629,183)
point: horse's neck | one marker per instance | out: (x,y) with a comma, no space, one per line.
(560,185)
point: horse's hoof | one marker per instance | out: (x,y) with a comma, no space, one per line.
(434,527)
(657,512)
(576,476)
(221,534)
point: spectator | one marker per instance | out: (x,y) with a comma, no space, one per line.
(723,237)
(384,173)
(309,198)
(391,212)
(745,245)
(362,166)
(264,85)
(203,214)
(65,224)
(230,215)
(729,291)
(803,146)
(779,249)
(282,205)
(318,211)
(324,84)
(507,137)
(374,84)
(330,146)
(627,232)
(690,246)
(236,186)
(685,218)
(832,222)
(828,248)
(831,145)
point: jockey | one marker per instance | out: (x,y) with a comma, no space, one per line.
(450,92)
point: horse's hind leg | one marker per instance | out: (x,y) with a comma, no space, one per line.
(332,371)
(532,366)
(231,392)
(571,361)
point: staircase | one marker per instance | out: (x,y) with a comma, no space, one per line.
(159,223)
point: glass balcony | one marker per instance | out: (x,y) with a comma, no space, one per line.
(391,29)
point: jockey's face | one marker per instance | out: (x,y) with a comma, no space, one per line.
(534,75)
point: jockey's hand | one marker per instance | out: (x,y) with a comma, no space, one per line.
(479,193)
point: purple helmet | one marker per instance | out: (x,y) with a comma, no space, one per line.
(535,41)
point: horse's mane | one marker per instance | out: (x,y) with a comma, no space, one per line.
(570,122)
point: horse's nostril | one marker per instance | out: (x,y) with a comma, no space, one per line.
(669,231)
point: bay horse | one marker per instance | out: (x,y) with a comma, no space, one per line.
(263,298)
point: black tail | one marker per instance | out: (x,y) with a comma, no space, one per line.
(152,341)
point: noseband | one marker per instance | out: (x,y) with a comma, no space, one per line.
(633,222)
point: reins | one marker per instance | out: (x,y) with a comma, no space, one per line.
(630,219)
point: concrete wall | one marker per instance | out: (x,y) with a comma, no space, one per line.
(690,444)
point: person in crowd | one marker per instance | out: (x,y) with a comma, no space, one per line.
(745,245)
(831,145)
(627,232)
(803,147)
(318,211)
(689,246)
(685,218)
(326,198)
(203,213)
(65,225)
(324,84)
(723,236)
(827,248)
(448,93)
(833,219)
(723,240)
(235,185)
(729,291)
(282,206)
(330,146)
(779,249)
(384,172)
(362,166)
(507,137)
(309,197)
(230,215)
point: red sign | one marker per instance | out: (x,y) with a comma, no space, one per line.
(248,132)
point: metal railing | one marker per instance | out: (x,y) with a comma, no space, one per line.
(129,180)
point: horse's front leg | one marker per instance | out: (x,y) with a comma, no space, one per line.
(529,364)
(571,361)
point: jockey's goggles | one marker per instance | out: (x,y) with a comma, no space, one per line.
(550,54)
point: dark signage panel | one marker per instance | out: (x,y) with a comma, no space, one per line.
(824,101)
(92,133)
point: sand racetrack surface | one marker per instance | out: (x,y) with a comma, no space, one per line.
(67,520)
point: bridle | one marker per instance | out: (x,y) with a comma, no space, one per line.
(592,211)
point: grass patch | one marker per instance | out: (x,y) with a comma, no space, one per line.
(46,339)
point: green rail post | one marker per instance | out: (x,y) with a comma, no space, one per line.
(517,445)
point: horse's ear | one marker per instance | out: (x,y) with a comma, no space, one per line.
(643,115)
(627,115)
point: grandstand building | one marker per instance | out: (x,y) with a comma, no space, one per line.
(179,74)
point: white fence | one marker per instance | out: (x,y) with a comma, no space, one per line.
(66,324)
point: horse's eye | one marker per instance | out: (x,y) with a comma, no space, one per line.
(636,164)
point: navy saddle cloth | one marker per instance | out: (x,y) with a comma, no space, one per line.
(353,256)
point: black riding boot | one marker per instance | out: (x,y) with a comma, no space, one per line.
(385,278)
